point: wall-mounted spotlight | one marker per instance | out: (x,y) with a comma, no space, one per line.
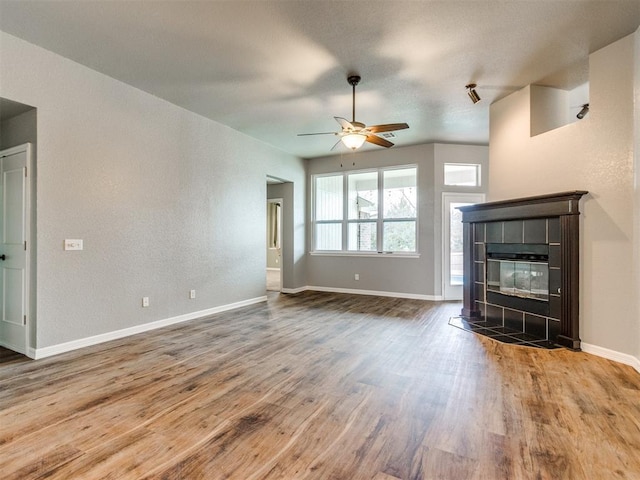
(583,113)
(471,91)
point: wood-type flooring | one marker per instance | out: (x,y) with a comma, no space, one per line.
(318,386)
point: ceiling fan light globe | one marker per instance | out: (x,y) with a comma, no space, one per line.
(354,141)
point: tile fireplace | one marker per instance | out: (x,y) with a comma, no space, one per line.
(521,260)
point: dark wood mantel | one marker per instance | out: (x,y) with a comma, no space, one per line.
(552,219)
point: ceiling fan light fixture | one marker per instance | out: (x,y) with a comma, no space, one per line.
(353,141)
(353,134)
(471,91)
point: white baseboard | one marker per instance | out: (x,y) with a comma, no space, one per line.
(126,332)
(611,355)
(294,290)
(376,293)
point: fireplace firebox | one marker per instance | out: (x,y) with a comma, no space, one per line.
(519,270)
(521,265)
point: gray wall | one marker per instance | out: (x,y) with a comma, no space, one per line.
(594,154)
(19,130)
(165,200)
(409,276)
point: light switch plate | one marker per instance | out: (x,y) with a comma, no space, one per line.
(73,244)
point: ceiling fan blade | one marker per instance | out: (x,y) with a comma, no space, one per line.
(379,141)
(321,133)
(335,145)
(389,127)
(344,123)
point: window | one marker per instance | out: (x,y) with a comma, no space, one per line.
(363,212)
(400,210)
(328,215)
(462,175)
(371,211)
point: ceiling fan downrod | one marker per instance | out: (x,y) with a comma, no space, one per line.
(353,81)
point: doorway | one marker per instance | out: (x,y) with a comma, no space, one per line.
(452,274)
(15,200)
(274,244)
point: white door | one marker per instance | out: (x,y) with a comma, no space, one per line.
(452,241)
(14,227)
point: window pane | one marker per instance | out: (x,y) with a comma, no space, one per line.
(329,236)
(362,237)
(461,174)
(363,195)
(455,243)
(329,198)
(399,236)
(400,193)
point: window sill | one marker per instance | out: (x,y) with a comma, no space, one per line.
(365,254)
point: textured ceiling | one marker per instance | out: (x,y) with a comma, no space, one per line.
(272,69)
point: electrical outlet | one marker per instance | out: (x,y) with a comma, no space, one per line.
(356,276)
(145,301)
(73,244)
(192,294)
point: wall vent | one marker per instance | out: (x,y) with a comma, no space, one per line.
(387,135)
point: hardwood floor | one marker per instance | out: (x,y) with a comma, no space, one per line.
(319,386)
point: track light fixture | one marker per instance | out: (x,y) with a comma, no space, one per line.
(471,91)
(582,113)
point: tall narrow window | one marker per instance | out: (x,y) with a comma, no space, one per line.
(328,212)
(400,200)
(363,212)
(273,225)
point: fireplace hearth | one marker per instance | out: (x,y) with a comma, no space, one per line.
(521,260)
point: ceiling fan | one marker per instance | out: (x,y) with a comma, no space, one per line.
(354,134)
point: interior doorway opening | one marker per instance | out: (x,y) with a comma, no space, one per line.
(18,123)
(274,244)
(279,234)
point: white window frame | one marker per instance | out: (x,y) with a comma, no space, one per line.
(346,221)
(478,175)
(315,222)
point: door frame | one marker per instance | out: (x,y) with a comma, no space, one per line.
(447,198)
(28,350)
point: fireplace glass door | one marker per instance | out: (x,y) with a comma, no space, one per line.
(518,278)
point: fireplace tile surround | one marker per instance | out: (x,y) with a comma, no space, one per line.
(551,223)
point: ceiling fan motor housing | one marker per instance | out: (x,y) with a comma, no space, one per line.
(353,80)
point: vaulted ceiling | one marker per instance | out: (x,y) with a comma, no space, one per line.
(276,68)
